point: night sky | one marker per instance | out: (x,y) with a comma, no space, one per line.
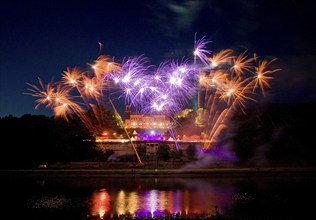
(43,38)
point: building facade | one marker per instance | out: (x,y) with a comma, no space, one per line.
(146,127)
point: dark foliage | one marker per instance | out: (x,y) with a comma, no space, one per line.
(35,139)
(277,135)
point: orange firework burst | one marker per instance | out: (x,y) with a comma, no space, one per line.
(77,94)
(222,57)
(44,94)
(242,63)
(72,77)
(103,66)
(230,81)
(262,79)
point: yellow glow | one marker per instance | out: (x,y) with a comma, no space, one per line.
(132,202)
(162,200)
(186,199)
(101,213)
(120,202)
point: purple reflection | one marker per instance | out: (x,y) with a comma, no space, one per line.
(177,201)
(143,213)
(157,213)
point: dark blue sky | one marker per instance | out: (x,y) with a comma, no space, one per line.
(43,38)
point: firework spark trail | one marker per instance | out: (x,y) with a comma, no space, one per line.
(220,81)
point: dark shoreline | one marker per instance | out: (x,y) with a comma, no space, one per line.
(249,171)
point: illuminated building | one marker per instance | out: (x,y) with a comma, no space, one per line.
(148,131)
(146,127)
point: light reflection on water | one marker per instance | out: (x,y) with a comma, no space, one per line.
(153,203)
(106,197)
(100,203)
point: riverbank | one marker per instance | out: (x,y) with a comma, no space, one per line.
(160,172)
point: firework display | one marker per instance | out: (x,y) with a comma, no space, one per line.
(221,83)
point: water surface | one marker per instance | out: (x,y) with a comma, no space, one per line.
(278,196)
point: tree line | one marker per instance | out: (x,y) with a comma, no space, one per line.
(271,135)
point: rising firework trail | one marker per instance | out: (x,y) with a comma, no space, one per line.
(121,121)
